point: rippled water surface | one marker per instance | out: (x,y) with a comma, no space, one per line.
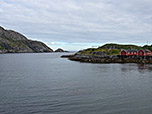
(48,84)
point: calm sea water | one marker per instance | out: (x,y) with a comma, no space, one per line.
(48,84)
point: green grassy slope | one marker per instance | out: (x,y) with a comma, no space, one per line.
(111,49)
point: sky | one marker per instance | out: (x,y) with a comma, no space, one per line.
(79,24)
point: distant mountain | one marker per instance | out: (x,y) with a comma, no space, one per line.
(60,50)
(14,42)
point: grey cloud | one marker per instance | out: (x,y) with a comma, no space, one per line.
(84,21)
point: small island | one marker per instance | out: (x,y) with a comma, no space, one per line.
(114,53)
(60,50)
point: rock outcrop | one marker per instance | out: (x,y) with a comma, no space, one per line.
(109,53)
(14,42)
(60,50)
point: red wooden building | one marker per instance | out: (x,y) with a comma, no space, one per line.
(141,53)
(148,53)
(132,53)
(135,53)
(144,53)
(123,53)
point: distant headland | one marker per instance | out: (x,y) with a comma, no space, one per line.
(60,50)
(14,42)
(114,53)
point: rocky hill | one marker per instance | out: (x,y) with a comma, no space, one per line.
(109,53)
(60,50)
(111,49)
(14,42)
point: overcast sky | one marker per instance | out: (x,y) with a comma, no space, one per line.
(78,24)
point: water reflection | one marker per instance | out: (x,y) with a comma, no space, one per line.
(142,68)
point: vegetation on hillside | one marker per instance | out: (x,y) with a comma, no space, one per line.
(119,46)
(148,47)
(111,49)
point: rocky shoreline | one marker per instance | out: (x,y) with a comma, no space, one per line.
(109,59)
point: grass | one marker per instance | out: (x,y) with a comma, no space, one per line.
(112,49)
(1,48)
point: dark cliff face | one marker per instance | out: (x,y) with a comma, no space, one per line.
(14,42)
